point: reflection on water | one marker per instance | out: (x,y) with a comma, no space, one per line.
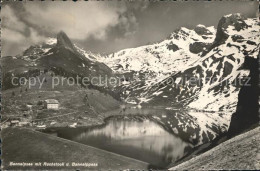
(146,140)
(142,111)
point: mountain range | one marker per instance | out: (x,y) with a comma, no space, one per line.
(216,69)
(194,69)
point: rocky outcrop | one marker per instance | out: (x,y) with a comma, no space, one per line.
(202,30)
(173,47)
(64,41)
(198,47)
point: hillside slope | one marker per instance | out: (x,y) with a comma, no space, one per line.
(241,152)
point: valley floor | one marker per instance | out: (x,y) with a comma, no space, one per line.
(240,152)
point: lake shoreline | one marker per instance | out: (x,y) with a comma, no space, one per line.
(116,114)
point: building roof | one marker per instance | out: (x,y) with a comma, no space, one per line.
(51,101)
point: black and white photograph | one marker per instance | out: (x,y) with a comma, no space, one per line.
(130,85)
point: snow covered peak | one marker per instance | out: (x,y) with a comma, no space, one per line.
(232,15)
(88,54)
(200,25)
(235,20)
(51,41)
(35,52)
(236,38)
(183,47)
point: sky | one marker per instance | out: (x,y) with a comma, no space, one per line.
(108,26)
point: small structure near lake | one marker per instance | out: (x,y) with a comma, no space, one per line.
(51,104)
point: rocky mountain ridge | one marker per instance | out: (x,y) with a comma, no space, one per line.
(217,72)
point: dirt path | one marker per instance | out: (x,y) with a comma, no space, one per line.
(240,152)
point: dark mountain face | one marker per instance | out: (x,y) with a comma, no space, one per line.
(198,47)
(202,31)
(247,109)
(62,57)
(63,41)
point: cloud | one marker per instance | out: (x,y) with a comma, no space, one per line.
(11,35)
(9,20)
(79,20)
(82,20)
(106,26)
(16,35)
(14,42)
(128,23)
